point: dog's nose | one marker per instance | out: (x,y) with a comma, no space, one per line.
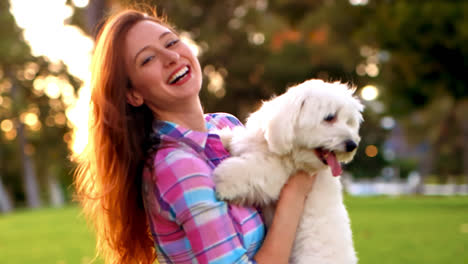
(350,145)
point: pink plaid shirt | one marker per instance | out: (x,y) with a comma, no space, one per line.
(188,223)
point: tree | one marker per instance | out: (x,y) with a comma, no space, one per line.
(425,77)
(31,113)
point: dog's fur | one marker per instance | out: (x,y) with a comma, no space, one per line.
(288,133)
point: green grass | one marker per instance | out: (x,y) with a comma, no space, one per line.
(404,230)
(52,236)
(410,230)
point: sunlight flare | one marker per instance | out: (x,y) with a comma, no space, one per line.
(44,29)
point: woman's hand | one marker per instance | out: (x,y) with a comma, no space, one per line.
(279,240)
(299,184)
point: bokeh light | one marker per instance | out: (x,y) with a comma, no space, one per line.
(369,92)
(359,2)
(387,122)
(80,3)
(371,151)
(6,125)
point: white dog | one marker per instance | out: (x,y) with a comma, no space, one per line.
(313,126)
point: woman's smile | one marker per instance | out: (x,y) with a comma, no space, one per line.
(180,75)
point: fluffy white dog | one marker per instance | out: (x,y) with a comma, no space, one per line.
(313,126)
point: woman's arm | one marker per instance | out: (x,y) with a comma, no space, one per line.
(279,240)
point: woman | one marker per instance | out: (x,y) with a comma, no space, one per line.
(145,107)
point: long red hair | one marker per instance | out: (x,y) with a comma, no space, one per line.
(108,177)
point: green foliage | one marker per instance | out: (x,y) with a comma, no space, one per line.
(428,52)
(425,77)
(12,50)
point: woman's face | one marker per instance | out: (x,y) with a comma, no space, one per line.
(164,72)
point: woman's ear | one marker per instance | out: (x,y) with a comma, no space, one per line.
(134,98)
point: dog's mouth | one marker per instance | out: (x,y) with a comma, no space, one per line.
(328,157)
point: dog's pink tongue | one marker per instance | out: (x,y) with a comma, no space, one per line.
(334,164)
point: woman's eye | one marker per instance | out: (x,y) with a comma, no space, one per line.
(172,43)
(146,60)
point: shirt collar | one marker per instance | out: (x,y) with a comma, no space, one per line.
(166,130)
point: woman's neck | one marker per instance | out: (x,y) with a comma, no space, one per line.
(189,117)
(193,121)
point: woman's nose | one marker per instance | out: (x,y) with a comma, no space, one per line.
(169,57)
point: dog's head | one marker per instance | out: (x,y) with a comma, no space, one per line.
(316,122)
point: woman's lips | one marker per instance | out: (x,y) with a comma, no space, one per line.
(179,76)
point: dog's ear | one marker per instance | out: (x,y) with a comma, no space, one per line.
(280,122)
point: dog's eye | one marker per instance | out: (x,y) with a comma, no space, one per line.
(330,118)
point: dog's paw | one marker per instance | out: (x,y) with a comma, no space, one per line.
(224,179)
(228,193)
(225,135)
(231,181)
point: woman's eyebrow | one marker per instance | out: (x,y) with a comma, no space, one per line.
(147,46)
(140,51)
(164,34)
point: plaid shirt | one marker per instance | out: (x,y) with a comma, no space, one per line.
(188,223)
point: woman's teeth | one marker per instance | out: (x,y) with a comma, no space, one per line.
(178,75)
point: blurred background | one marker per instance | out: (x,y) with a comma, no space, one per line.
(407,186)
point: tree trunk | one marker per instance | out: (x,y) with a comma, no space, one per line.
(95,11)
(5,202)
(56,197)
(31,186)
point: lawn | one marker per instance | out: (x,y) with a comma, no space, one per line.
(410,230)
(404,230)
(46,236)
